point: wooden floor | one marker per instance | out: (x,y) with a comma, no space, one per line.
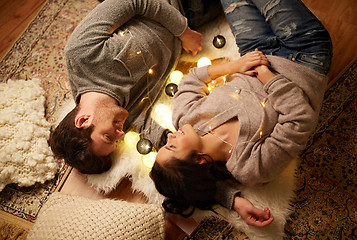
(339,17)
(15,16)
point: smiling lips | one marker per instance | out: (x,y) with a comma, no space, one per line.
(181,131)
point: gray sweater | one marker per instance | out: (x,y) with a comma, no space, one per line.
(271,136)
(115,45)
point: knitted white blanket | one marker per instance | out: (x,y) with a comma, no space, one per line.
(69,217)
(25,157)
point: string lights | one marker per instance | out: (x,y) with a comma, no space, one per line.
(162,112)
(143,145)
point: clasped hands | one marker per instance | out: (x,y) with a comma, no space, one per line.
(254,63)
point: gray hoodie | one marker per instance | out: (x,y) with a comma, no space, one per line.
(271,135)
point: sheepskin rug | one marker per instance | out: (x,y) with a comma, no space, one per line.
(25,157)
(276,195)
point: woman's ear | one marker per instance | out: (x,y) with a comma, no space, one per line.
(201,159)
(82,121)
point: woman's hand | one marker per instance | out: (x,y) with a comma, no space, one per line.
(264,74)
(252,215)
(191,41)
(245,65)
(249,61)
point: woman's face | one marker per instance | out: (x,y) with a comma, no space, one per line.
(179,145)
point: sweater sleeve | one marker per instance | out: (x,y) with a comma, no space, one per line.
(102,21)
(192,91)
(226,193)
(271,154)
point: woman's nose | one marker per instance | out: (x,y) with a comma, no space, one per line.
(171,135)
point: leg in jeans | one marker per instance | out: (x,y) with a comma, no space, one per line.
(301,35)
(249,27)
(298,34)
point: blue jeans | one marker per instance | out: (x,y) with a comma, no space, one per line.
(284,28)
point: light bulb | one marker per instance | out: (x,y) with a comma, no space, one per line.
(131,138)
(149,159)
(204,62)
(264,101)
(161,109)
(176,77)
(162,114)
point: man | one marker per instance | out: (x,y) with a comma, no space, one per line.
(118,59)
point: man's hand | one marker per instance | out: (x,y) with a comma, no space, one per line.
(252,215)
(191,41)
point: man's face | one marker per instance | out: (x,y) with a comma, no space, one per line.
(108,125)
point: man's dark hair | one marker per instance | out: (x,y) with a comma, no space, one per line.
(187,184)
(73,145)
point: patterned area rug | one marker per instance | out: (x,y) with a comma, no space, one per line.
(38,53)
(326,204)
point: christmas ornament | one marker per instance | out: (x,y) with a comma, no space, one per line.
(219,41)
(171,89)
(144,146)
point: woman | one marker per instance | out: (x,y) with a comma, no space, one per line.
(261,118)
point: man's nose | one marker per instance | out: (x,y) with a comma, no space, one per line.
(119,133)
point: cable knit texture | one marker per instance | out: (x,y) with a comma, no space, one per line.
(25,157)
(73,217)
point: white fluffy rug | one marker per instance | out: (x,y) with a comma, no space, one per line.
(128,162)
(25,157)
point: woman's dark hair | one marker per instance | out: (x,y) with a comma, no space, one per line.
(73,145)
(163,138)
(187,184)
